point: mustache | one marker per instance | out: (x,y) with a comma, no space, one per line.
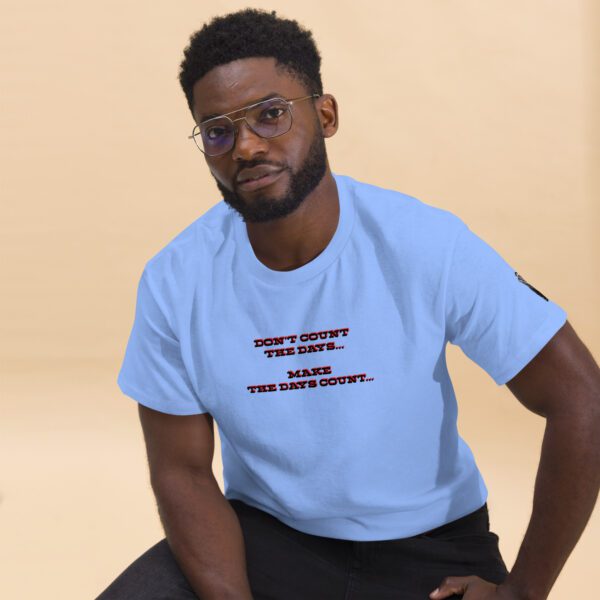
(257,163)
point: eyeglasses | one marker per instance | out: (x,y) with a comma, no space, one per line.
(267,119)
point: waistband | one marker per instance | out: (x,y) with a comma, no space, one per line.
(478,521)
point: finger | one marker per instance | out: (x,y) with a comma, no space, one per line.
(449,586)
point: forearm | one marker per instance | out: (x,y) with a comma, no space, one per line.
(566,489)
(204,534)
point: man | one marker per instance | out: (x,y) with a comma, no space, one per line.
(308,314)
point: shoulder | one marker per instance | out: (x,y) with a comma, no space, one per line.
(192,249)
(403,219)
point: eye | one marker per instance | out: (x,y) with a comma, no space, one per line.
(272,114)
(215,132)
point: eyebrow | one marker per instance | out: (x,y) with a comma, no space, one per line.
(267,97)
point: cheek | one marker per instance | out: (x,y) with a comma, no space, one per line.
(218,172)
(296,152)
(307,136)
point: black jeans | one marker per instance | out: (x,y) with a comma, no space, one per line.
(286,564)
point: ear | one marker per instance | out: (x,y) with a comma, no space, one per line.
(327,110)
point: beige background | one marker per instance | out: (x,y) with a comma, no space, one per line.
(488,109)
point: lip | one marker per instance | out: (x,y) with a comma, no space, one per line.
(262,182)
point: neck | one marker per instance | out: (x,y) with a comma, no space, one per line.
(296,239)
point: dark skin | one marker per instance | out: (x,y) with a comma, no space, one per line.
(292,241)
(561,384)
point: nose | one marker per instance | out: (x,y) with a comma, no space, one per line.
(247,143)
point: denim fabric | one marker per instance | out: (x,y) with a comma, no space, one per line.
(287,564)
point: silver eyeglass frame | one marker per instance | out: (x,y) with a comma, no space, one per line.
(196,134)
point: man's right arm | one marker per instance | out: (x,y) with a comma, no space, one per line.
(201,527)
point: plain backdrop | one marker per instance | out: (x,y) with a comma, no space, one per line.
(487,109)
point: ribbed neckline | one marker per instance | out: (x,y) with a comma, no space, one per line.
(250,263)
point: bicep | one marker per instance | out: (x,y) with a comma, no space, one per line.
(562,379)
(177,442)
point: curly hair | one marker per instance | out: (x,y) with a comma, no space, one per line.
(250,33)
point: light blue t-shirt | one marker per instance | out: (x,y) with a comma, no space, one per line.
(329,383)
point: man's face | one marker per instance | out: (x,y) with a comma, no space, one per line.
(299,155)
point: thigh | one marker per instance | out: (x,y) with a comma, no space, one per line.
(411,568)
(155,575)
(282,564)
(286,564)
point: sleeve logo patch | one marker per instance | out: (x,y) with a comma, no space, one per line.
(530,286)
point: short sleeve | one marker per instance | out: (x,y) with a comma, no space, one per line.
(153,372)
(498,319)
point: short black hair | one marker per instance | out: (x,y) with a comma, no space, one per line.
(250,33)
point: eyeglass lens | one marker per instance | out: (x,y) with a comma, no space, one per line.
(267,119)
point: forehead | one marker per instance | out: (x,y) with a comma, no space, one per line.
(237,84)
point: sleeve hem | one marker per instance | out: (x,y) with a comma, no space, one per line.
(538,340)
(148,401)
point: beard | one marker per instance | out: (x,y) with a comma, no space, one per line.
(264,208)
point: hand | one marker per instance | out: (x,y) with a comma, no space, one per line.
(473,588)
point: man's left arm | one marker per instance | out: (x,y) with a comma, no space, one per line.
(562,384)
